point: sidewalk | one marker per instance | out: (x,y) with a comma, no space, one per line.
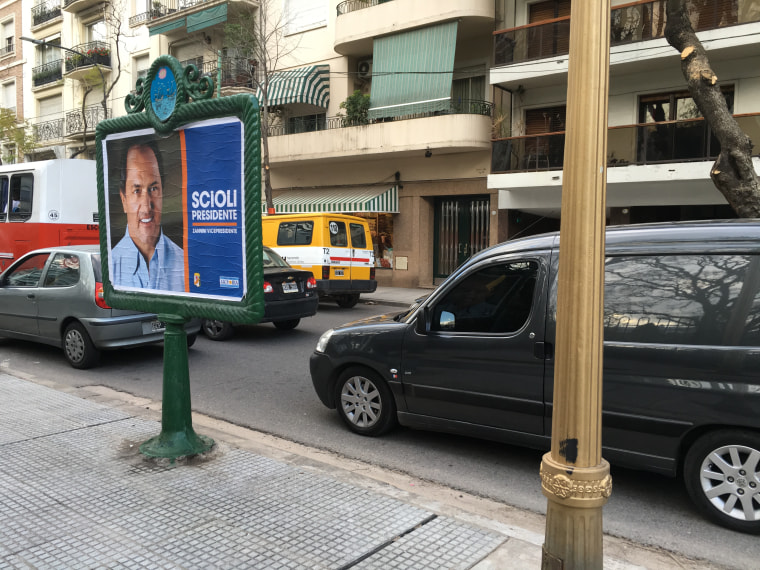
(76,493)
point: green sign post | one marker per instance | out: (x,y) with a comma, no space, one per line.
(179,189)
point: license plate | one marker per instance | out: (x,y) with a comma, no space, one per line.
(290,287)
(338,273)
(156,326)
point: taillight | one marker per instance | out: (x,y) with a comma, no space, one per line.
(325,272)
(268,287)
(372,272)
(100,298)
(311,283)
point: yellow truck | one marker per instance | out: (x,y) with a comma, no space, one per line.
(336,248)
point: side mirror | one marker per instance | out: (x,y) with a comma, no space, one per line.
(423,320)
(448,322)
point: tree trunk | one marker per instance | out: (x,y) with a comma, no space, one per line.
(266,175)
(733,172)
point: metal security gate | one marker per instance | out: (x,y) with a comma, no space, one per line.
(461,230)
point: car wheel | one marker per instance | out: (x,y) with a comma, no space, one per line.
(78,347)
(216,330)
(365,402)
(347,301)
(191,338)
(722,476)
(287,325)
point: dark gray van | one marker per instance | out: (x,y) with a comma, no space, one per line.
(681,357)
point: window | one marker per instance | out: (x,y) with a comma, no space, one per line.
(673,128)
(338,235)
(96,31)
(683,299)
(49,52)
(50,108)
(8,94)
(29,272)
(303,15)
(141,65)
(495,299)
(358,236)
(306,124)
(295,233)
(469,84)
(63,271)
(21,190)
(8,45)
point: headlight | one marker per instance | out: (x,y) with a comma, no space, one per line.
(323,340)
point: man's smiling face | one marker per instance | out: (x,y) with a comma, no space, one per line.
(142,199)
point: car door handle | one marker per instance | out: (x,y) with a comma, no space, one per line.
(31,296)
(543,350)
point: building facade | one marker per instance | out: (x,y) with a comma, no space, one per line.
(463,140)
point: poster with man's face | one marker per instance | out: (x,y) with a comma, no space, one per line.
(174,207)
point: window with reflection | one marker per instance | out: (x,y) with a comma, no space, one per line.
(295,233)
(495,299)
(683,299)
(28,273)
(338,235)
(63,271)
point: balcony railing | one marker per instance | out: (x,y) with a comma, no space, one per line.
(9,48)
(49,130)
(45,11)
(96,52)
(354,5)
(632,23)
(236,71)
(648,143)
(47,73)
(456,107)
(76,120)
(164,8)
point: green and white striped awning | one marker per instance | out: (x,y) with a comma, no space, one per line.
(337,201)
(309,85)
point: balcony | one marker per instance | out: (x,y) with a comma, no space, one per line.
(359,22)
(49,132)
(47,73)
(97,53)
(46,12)
(235,72)
(177,18)
(74,6)
(465,127)
(77,120)
(648,143)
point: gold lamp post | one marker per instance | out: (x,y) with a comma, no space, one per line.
(574,476)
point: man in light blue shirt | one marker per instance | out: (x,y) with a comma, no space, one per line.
(145,257)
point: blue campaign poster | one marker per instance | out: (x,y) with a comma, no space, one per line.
(213,182)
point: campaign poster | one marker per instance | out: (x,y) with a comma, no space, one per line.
(175,207)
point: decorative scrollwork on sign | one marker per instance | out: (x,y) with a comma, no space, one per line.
(197,86)
(134,102)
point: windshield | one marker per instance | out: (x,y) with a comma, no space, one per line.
(271,259)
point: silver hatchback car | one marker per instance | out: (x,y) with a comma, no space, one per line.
(55,296)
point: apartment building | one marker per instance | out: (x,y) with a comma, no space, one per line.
(11,69)
(659,148)
(463,143)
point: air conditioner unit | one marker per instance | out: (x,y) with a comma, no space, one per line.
(364,69)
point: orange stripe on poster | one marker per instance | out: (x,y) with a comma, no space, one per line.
(228,224)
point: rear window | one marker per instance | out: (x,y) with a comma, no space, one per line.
(358,236)
(271,259)
(295,233)
(338,235)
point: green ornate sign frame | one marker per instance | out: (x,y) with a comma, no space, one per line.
(175,111)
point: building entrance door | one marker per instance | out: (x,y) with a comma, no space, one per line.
(461,230)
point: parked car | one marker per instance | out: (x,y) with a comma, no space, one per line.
(681,354)
(55,296)
(289,295)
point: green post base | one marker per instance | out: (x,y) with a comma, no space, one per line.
(177,438)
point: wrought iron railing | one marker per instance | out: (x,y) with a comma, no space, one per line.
(631,23)
(645,143)
(48,130)
(92,53)
(9,47)
(45,11)
(76,120)
(235,71)
(319,123)
(354,5)
(47,73)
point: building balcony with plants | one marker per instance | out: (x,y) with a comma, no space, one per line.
(46,13)
(90,54)
(47,73)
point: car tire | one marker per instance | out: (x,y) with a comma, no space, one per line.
(365,402)
(287,325)
(722,477)
(216,330)
(78,347)
(346,301)
(191,338)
